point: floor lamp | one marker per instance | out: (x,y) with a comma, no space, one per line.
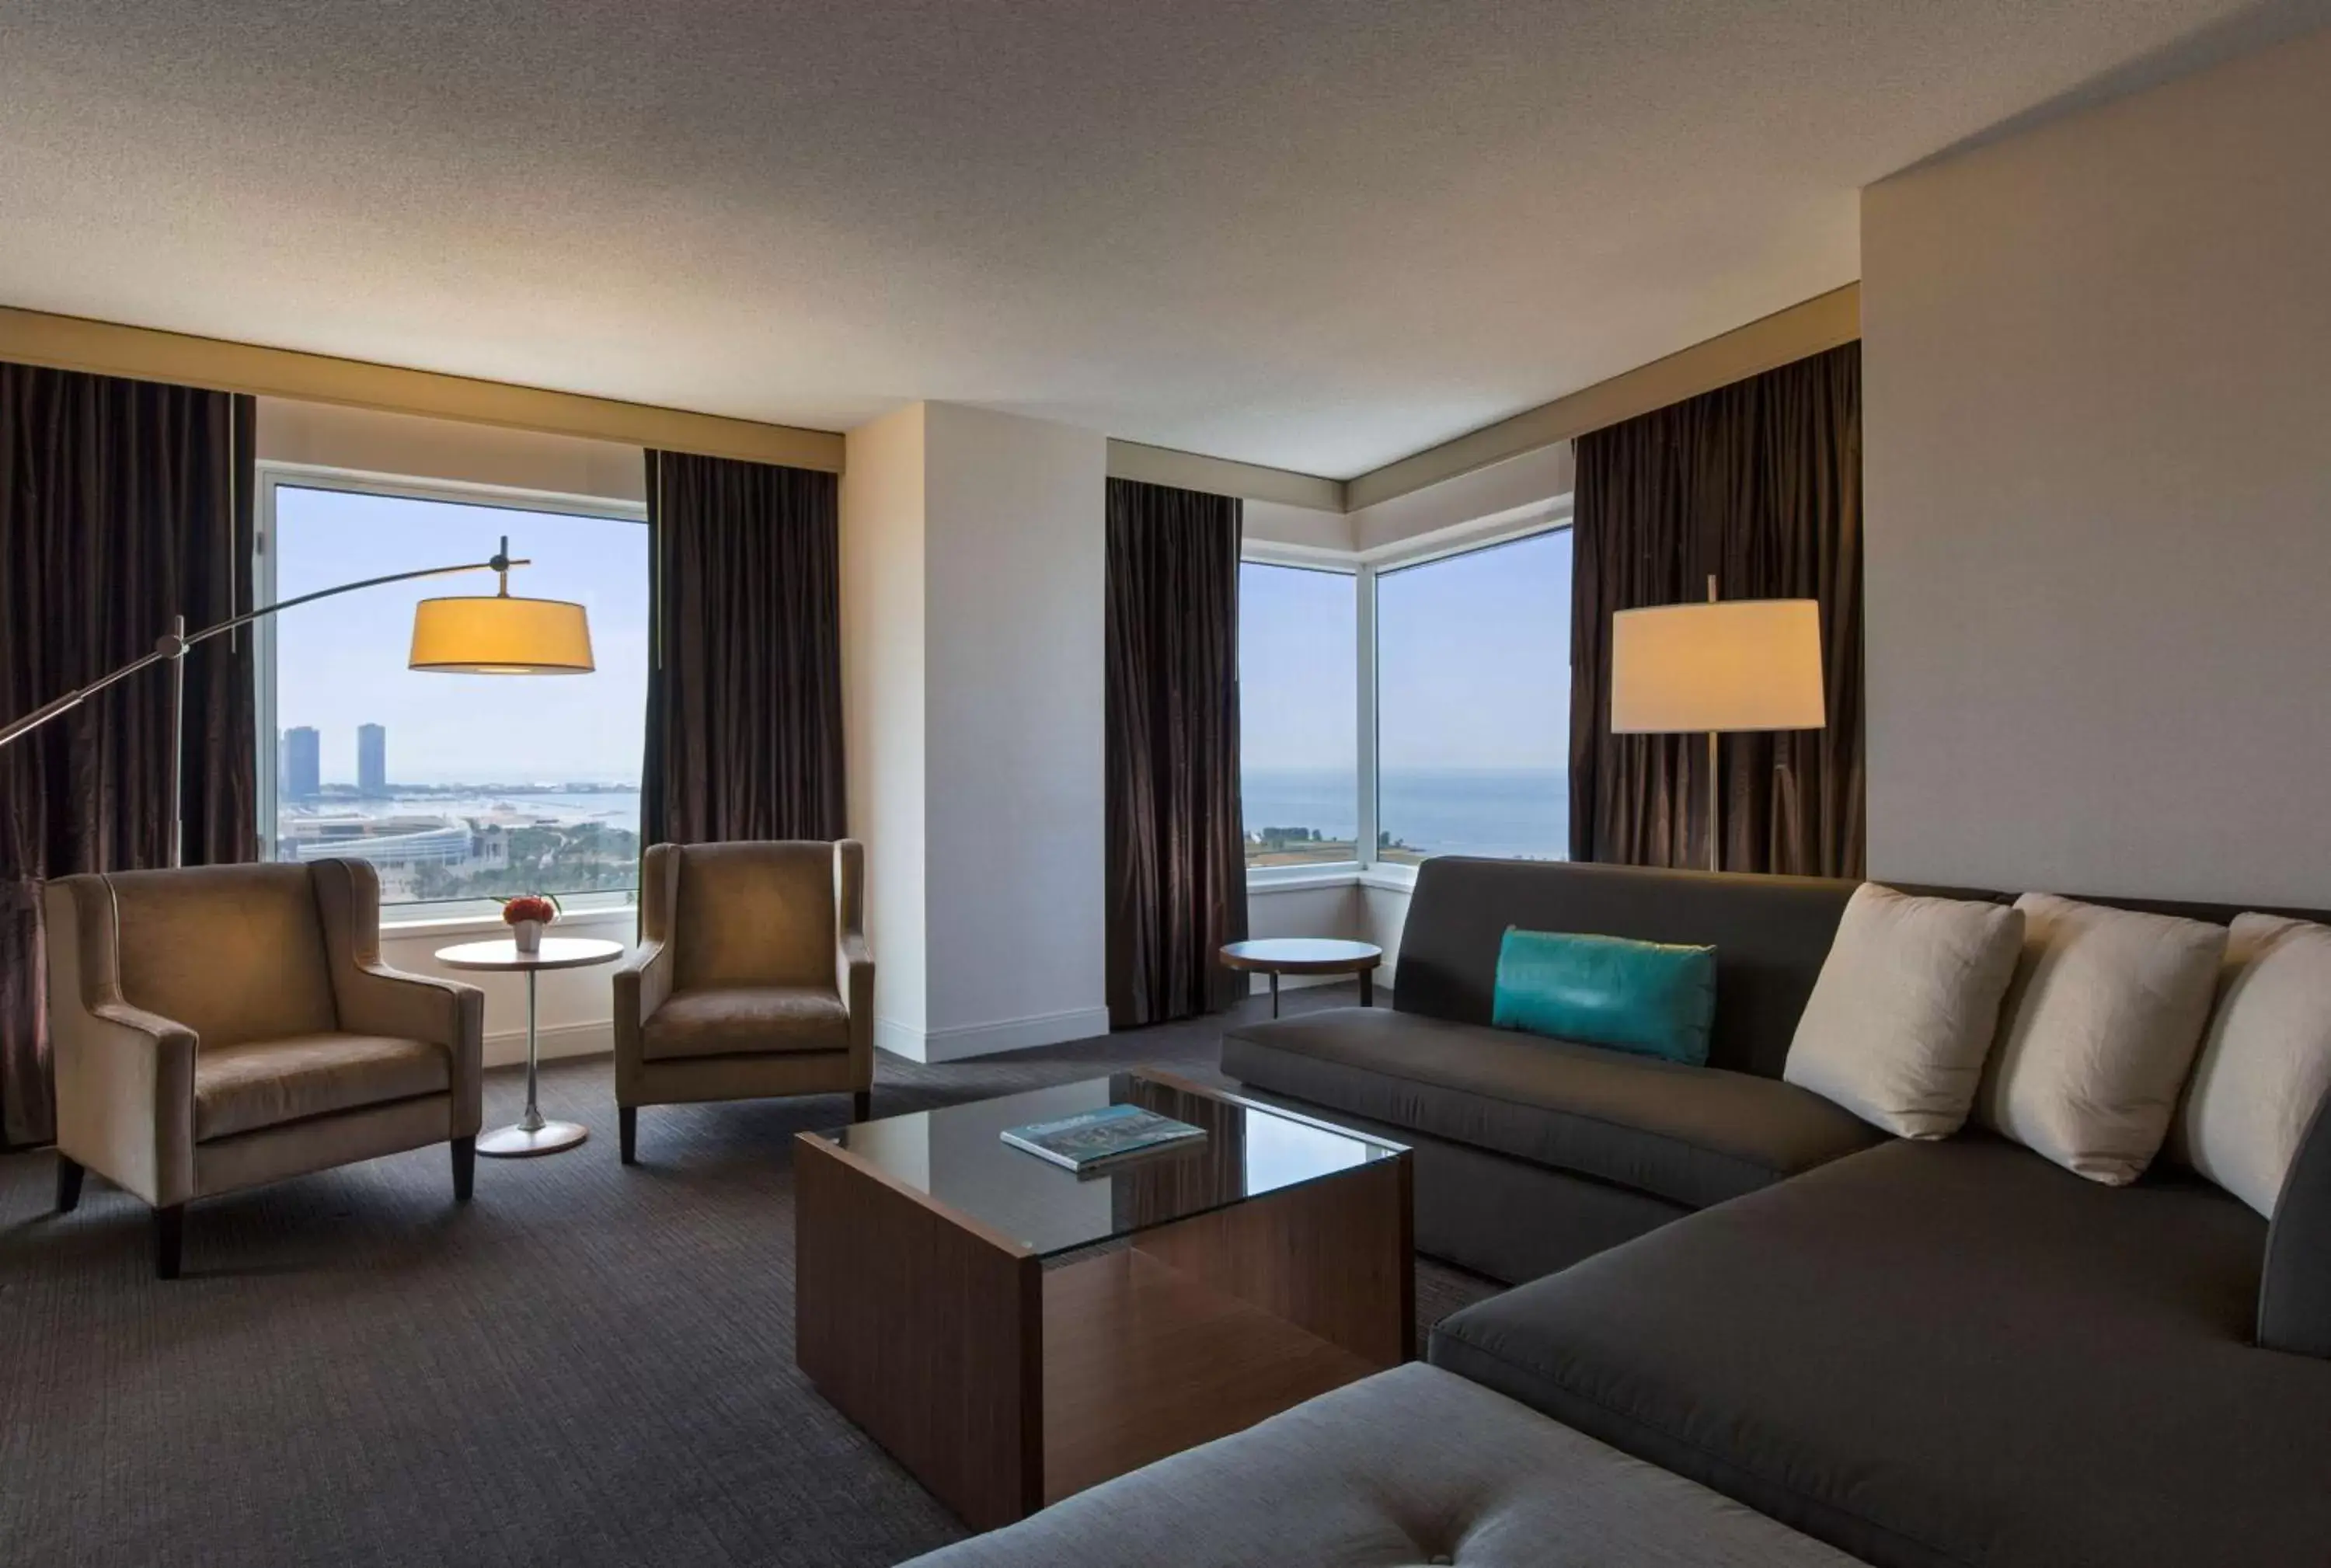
(482,635)
(1742,664)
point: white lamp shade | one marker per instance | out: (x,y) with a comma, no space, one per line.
(1741,664)
(496,634)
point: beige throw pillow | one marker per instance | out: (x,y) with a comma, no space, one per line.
(2266,1059)
(1900,1021)
(2097,1032)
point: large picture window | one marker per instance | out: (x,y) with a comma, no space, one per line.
(457,788)
(1299,715)
(1473,704)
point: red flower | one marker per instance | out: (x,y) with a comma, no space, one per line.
(528,906)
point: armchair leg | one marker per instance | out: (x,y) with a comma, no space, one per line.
(169,1228)
(627,1125)
(465,1167)
(69,1175)
(861,1106)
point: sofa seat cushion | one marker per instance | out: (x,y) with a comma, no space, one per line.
(1411,1466)
(746,1020)
(1694,1135)
(264,1083)
(1943,1352)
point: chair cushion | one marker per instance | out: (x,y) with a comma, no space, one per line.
(1949,1351)
(1411,1466)
(234,953)
(1696,1136)
(755,914)
(264,1083)
(744,1021)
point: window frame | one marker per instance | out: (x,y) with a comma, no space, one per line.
(1548,516)
(1337,563)
(272,476)
(1467,539)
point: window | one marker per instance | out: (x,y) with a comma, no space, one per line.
(1473,704)
(457,788)
(1299,715)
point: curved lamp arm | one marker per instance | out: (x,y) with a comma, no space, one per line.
(173,644)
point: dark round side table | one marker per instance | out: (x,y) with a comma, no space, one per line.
(1278,955)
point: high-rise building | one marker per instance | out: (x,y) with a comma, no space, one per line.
(372,759)
(303,757)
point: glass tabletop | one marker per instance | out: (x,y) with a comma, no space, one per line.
(957,1157)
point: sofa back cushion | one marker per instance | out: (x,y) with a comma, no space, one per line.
(234,953)
(755,914)
(1771,935)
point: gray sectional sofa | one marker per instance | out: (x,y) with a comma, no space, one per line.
(1919,1353)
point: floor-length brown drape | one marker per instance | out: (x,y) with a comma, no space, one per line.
(122,504)
(1177,853)
(744,721)
(1759,483)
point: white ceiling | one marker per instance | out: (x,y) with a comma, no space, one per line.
(1308,233)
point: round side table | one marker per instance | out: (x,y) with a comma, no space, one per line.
(1278,955)
(532,1135)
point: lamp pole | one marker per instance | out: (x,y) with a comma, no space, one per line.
(173,645)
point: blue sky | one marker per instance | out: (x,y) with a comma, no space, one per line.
(341,663)
(1473,671)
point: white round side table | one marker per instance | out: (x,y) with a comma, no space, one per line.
(531,1135)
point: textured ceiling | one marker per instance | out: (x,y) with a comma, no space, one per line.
(1314,234)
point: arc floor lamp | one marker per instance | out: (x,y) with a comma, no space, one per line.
(1722,666)
(494,634)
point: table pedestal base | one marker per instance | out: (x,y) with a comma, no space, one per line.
(517,1143)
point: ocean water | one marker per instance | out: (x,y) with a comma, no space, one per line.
(1514,814)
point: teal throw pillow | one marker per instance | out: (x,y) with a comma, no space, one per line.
(1646,997)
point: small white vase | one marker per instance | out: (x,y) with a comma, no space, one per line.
(526,934)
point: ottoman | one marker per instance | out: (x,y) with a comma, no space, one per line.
(1411,1466)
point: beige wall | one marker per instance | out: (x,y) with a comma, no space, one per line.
(408,446)
(2099,464)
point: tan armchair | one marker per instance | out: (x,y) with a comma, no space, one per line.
(224,1026)
(751,979)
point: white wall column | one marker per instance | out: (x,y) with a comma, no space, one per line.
(973,575)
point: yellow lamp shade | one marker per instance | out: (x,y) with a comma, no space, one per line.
(496,634)
(1742,664)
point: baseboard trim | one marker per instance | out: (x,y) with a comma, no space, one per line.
(968,1040)
(507,1047)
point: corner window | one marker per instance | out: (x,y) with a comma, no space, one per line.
(1473,704)
(458,789)
(1299,715)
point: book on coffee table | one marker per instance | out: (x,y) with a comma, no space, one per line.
(1094,1138)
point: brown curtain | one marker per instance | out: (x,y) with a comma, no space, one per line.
(744,719)
(1176,854)
(122,504)
(1759,483)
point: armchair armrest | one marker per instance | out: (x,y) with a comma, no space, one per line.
(125,1077)
(371,998)
(853,960)
(642,984)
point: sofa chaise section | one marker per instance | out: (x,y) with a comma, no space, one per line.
(1943,1352)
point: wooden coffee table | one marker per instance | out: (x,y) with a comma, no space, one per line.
(1278,955)
(954,1296)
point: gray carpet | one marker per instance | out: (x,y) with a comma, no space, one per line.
(586,1366)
